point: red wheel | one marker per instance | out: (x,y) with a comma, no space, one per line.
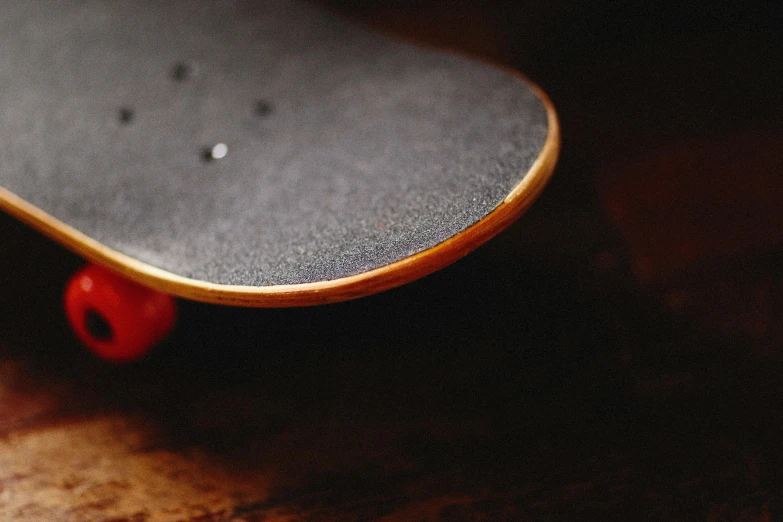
(114,317)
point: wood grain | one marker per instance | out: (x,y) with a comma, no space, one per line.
(104,468)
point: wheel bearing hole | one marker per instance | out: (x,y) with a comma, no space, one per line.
(97,325)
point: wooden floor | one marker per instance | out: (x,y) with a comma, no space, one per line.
(616,355)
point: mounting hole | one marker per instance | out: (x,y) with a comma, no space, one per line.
(97,326)
(181,72)
(125,115)
(263,108)
(216,152)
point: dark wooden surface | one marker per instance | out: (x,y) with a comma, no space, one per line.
(616,355)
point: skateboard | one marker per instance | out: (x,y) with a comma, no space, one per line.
(261,153)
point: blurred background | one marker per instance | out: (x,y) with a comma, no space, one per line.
(615,355)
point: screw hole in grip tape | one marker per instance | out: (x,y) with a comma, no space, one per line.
(182,71)
(263,108)
(125,115)
(216,152)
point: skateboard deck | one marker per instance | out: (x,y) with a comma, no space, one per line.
(258,153)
